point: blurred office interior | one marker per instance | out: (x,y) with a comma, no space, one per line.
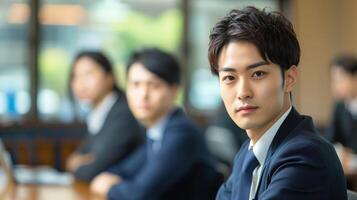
(39,39)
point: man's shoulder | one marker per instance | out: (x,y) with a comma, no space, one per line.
(180,128)
(305,146)
(299,132)
(179,120)
(305,161)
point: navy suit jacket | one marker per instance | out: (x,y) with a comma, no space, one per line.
(343,128)
(180,169)
(121,134)
(300,164)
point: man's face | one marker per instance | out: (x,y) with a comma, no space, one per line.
(344,85)
(252,89)
(150,98)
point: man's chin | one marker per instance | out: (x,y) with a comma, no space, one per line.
(244,124)
(143,119)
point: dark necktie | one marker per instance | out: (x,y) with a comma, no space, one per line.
(150,147)
(250,162)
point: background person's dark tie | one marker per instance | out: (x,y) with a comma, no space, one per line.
(150,147)
(250,162)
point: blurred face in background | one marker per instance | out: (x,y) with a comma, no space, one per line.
(90,83)
(343,84)
(149,97)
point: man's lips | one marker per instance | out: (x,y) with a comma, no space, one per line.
(144,107)
(246,108)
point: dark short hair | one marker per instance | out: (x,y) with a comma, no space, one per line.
(346,62)
(270,32)
(99,58)
(160,63)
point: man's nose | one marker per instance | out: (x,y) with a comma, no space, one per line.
(244,90)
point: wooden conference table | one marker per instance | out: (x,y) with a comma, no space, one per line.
(76,191)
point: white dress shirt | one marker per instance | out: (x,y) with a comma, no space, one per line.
(260,150)
(97,116)
(156,132)
(352,107)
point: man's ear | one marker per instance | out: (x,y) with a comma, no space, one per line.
(290,78)
(175,91)
(111,78)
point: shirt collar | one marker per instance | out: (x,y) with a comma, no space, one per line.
(352,107)
(261,147)
(97,116)
(156,131)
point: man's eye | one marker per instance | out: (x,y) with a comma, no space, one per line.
(228,78)
(134,84)
(154,85)
(258,74)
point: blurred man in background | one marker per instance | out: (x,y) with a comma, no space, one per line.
(343,128)
(174,163)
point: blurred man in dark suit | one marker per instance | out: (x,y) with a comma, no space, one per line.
(343,128)
(174,163)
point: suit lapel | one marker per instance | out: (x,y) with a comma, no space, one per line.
(294,121)
(290,123)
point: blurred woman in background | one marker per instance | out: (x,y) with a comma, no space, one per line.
(113,132)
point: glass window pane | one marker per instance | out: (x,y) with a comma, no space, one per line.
(14,75)
(113,26)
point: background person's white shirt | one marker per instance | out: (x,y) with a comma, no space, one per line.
(156,132)
(352,107)
(97,116)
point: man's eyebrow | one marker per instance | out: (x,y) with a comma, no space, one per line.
(251,66)
(257,64)
(227,69)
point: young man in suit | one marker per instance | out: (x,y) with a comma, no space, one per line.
(255,55)
(174,163)
(343,128)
